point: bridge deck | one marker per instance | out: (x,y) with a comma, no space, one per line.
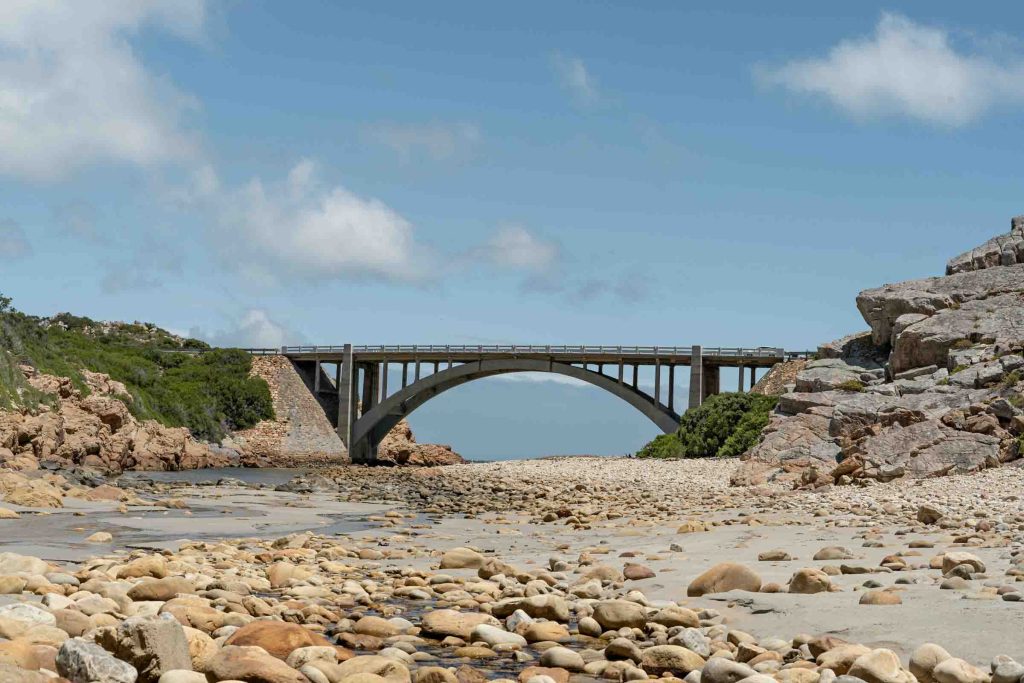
(642,355)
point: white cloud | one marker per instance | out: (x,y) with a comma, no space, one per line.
(13,242)
(436,141)
(74,92)
(905,69)
(515,247)
(540,377)
(574,77)
(255,329)
(302,228)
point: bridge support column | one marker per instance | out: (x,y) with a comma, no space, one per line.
(346,397)
(657,383)
(742,371)
(753,376)
(671,388)
(712,381)
(696,376)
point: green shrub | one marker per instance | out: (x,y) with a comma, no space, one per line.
(1011,378)
(961,344)
(663,446)
(724,425)
(209,393)
(851,385)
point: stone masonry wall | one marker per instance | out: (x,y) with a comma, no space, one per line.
(300,430)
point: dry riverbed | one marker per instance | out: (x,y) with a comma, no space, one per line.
(547,570)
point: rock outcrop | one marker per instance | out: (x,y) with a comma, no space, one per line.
(399,447)
(934,387)
(98,431)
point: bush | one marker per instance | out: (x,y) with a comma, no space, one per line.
(663,446)
(1011,378)
(724,425)
(851,385)
(209,393)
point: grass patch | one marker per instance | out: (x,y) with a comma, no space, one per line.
(724,425)
(961,344)
(209,393)
(959,368)
(1012,378)
(851,385)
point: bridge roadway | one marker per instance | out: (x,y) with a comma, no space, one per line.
(356,398)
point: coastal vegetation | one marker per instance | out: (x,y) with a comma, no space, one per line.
(177,381)
(724,425)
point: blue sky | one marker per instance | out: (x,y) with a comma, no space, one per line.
(265,172)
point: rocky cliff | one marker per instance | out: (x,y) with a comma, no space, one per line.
(933,387)
(98,431)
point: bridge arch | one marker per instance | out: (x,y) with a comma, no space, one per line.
(370,428)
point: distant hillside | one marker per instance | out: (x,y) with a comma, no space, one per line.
(210,393)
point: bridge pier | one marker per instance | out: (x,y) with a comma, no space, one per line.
(712,381)
(696,377)
(705,379)
(346,397)
(671,388)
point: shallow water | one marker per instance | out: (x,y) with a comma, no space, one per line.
(270,476)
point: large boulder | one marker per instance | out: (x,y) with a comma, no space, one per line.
(80,660)
(883,305)
(252,665)
(615,614)
(278,638)
(447,622)
(724,577)
(153,646)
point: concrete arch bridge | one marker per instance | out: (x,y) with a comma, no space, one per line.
(351,382)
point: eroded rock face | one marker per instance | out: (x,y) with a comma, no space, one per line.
(1003,250)
(98,431)
(934,388)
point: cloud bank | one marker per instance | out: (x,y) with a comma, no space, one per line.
(905,69)
(74,92)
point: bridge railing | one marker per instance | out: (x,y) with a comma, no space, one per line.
(550,349)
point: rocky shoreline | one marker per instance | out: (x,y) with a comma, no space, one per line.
(537,571)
